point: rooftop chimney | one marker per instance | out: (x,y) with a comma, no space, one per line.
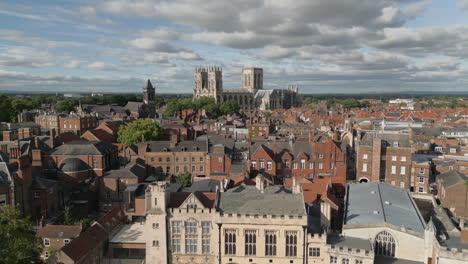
(174,140)
(259,183)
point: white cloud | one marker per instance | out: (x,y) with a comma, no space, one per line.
(415,9)
(463,4)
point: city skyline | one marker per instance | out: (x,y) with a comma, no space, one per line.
(323,47)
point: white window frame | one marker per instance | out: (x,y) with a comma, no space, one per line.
(364,156)
(403,158)
(46,242)
(320,166)
(269,165)
(421,178)
(394,158)
(254,164)
(402,170)
(421,189)
(393,169)
(364,167)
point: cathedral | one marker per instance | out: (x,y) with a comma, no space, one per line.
(209,83)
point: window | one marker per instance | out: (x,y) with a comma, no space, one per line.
(177,159)
(332,165)
(421,189)
(295,165)
(191,206)
(345,261)
(176,245)
(155,225)
(177,169)
(438,149)
(176,227)
(262,164)
(364,167)
(201,168)
(453,150)
(250,242)
(160,159)
(394,158)
(168,169)
(320,156)
(95,163)
(206,226)
(3,199)
(47,254)
(403,158)
(333,260)
(278,165)
(384,244)
(286,164)
(269,165)
(206,245)
(311,165)
(270,243)
(358,261)
(168,159)
(230,241)
(395,144)
(190,245)
(155,243)
(393,169)
(314,252)
(193,159)
(254,164)
(185,159)
(37,195)
(193,168)
(185,169)
(291,243)
(422,170)
(302,164)
(421,179)
(402,170)
(364,156)
(220,159)
(152,159)
(46,242)
(320,165)
(201,158)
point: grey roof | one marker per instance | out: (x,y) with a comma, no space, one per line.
(388,260)
(208,185)
(374,203)
(166,146)
(451,178)
(134,170)
(42,183)
(133,106)
(83,148)
(236,91)
(5,176)
(422,159)
(249,200)
(349,242)
(402,139)
(73,165)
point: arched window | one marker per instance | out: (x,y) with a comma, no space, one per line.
(385,244)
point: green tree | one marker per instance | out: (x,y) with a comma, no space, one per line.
(229,107)
(5,108)
(65,105)
(137,130)
(184,179)
(68,218)
(18,244)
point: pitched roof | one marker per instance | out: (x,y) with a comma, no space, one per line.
(451,178)
(42,184)
(83,148)
(86,242)
(59,231)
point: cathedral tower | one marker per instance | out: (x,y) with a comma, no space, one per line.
(149,93)
(252,79)
(208,82)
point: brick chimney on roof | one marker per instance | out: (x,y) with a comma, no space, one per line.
(174,140)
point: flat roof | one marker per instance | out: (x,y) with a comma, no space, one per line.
(372,203)
(131,234)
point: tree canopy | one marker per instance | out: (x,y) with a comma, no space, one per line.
(18,244)
(138,130)
(229,107)
(184,179)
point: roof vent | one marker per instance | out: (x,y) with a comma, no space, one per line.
(375,212)
(388,203)
(372,192)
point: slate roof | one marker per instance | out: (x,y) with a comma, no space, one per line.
(402,139)
(59,231)
(86,242)
(451,178)
(275,200)
(42,183)
(73,165)
(208,185)
(134,170)
(373,203)
(207,199)
(349,242)
(83,148)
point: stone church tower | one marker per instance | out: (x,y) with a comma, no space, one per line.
(149,93)
(209,82)
(252,79)
(157,199)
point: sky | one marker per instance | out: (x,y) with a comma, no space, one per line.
(332,46)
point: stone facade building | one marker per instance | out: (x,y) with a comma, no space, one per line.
(209,83)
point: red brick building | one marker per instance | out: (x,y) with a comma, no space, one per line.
(319,159)
(77,124)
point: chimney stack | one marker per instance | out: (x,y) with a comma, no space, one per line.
(174,140)
(6,135)
(259,183)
